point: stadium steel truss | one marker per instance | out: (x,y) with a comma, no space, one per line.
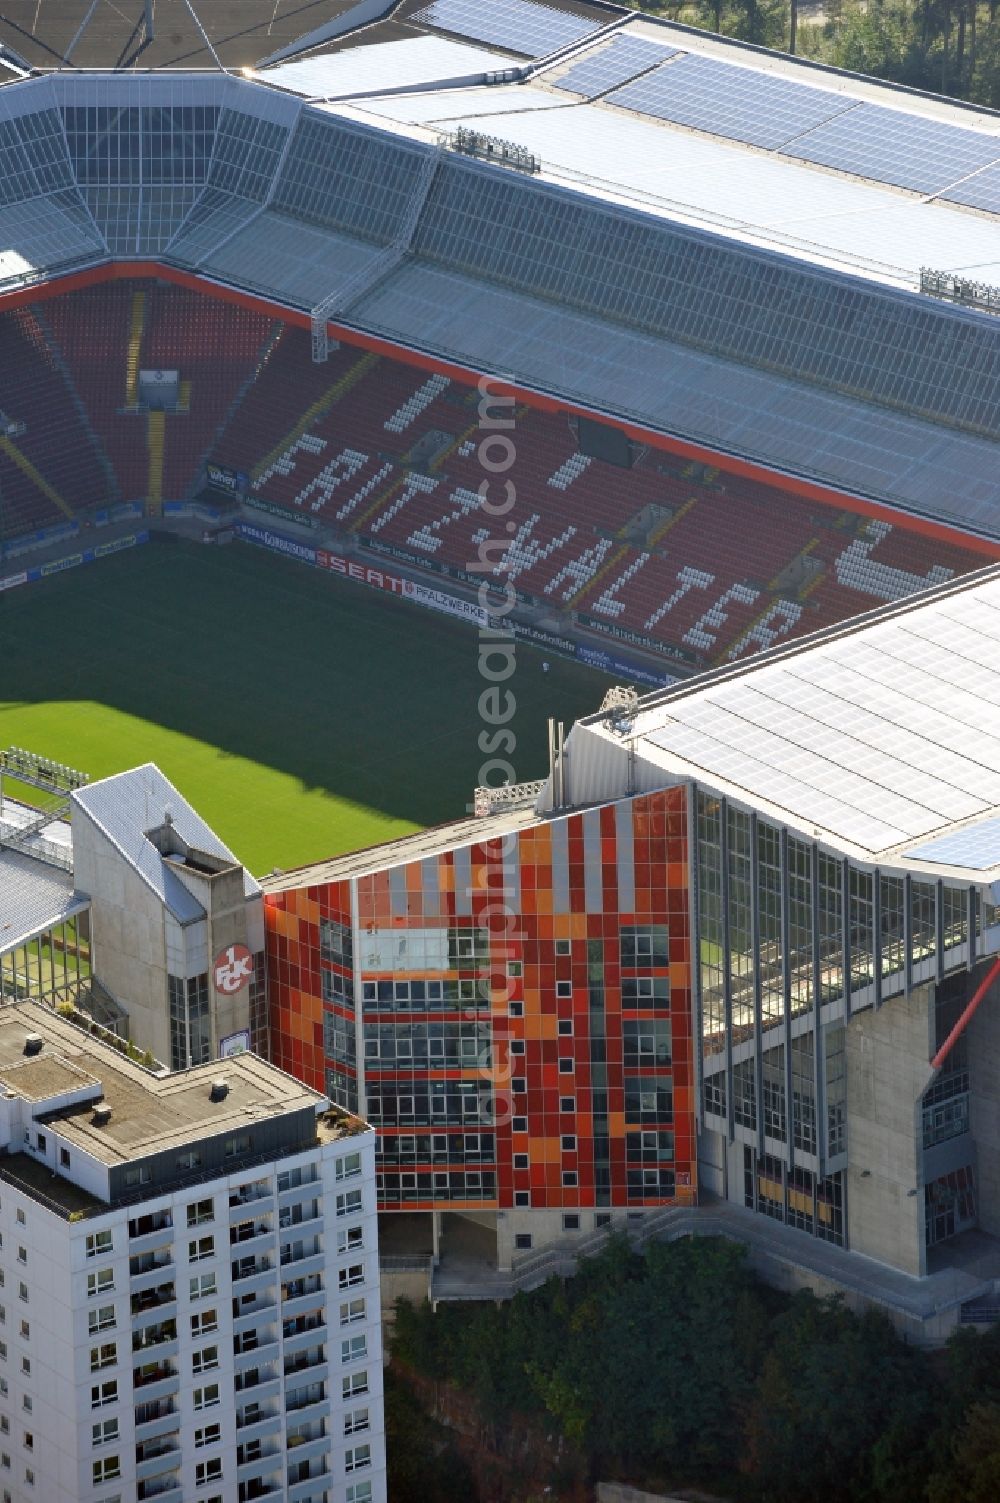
(754,335)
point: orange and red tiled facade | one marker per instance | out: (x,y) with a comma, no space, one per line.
(514,1016)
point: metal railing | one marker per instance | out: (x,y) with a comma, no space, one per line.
(507,796)
(959,289)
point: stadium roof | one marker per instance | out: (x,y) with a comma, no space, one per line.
(33,897)
(164,34)
(711,242)
(130,808)
(880,739)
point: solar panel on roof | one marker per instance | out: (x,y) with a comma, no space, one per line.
(982,191)
(977,848)
(612,65)
(533,30)
(763,109)
(891,147)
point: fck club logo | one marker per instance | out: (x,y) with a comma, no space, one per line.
(233,969)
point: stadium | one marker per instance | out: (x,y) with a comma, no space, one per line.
(655,352)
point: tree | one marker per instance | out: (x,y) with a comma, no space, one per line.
(972,1474)
(841,1411)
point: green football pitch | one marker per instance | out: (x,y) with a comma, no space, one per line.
(302,715)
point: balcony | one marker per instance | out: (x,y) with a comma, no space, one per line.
(259,1466)
(153,1298)
(252,1452)
(257,1422)
(251,1238)
(156,1383)
(294,1183)
(155,1419)
(305,1447)
(164,1489)
(258,1383)
(260,1487)
(266,1350)
(253,1194)
(247,1313)
(253,1338)
(297,1333)
(252,1274)
(307,1358)
(148,1231)
(307,1402)
(158,1341)
(310,1482)
(154,1463)
(303,1304)
(259,1282)
(308,1214)
(303,1260)
(161,1256)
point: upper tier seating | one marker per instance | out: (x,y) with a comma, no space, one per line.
(710,565)
(50,467)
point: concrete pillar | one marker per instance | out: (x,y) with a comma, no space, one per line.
(888,1069)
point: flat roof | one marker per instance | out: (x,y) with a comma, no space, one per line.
(881,738)
(425,843)
(149,1113)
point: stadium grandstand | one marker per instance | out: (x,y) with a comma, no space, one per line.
(747,304)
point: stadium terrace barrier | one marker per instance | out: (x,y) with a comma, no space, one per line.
(200,509)
(282,513)
(122,511)
(44,535)
(73,560)
(439,600)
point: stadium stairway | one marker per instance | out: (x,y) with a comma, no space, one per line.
(617,558)
(252,378)
(134,356)
(155,440)
(92,331)
(334,394)
(55,354)
(35,476)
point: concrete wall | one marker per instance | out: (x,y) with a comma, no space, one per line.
(984,1105)
(888,1068)
(546,1230)
(712,1163)
(127,935)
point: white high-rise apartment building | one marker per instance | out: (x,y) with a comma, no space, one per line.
(189,1309)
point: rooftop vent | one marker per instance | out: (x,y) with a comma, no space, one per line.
(220,1089)
(102,1115)
(33,1043)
